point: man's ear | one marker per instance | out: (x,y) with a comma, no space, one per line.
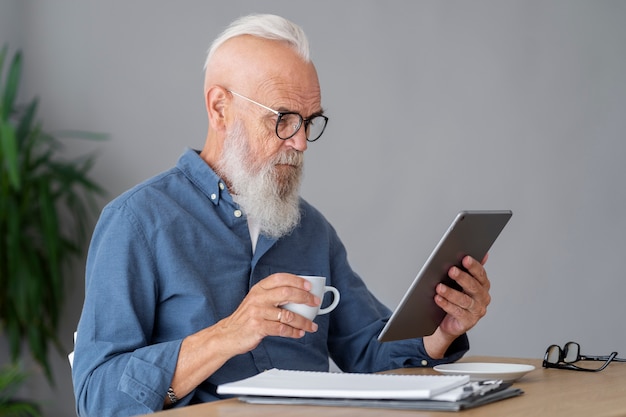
(216,100)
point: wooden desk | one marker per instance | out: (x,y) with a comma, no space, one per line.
(548,392)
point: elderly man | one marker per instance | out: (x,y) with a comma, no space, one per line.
(187,272)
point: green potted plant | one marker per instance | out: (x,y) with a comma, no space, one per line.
(46,203)
(11,378)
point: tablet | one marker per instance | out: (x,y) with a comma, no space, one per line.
(471,233)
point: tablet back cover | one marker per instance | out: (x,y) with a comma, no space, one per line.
(471,233)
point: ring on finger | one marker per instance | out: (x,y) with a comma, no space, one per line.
(280,316)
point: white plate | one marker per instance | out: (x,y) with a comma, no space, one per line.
(478,371)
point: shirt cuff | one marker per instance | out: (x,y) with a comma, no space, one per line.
(149,372)
(455,351)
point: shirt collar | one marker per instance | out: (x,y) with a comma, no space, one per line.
(202,176)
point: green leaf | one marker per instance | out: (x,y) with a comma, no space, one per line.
(25,125)
(39,349)
(19,409)
(3,54)
(11,378)
(11,85)
(15,337)
(8,150)
(46,205)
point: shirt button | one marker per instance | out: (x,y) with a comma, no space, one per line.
(213,196)
(237,213)
(424,362)
(222,186)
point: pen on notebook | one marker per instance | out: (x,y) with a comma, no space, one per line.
(481,387)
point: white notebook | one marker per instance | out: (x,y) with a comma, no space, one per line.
(283,383)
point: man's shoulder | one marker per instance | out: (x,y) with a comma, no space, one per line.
(148,191)
(309,209)
(313,217)
(172,183)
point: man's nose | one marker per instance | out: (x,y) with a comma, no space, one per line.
(298,141)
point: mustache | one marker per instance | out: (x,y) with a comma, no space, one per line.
(293,158)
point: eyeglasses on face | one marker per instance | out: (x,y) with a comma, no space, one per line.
(556,357)
(288,123)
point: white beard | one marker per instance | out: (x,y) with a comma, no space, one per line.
(265,193)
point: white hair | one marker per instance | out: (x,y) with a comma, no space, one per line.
(265,26)
(269,199)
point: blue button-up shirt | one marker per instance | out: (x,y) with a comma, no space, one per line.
(173,256)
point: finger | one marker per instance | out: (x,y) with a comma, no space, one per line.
(469,284)
(290,324)
(473,280)
(278,315)
(467,313)
(284,316)
(476,270)
(284,280)
(454,310)
(463,302)
(281,296)
(457,320)
(282,288)
(285,330)
(472,301)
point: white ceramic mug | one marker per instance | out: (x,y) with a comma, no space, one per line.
(319,288)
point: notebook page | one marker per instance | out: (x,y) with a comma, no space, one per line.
(284,383)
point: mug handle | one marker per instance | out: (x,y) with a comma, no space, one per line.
(332,306)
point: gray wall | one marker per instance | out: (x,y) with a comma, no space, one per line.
(434,106)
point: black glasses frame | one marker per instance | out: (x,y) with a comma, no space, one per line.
(282,114)
(302,120)
(570,353)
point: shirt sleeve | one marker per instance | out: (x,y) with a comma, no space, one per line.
(116,372)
